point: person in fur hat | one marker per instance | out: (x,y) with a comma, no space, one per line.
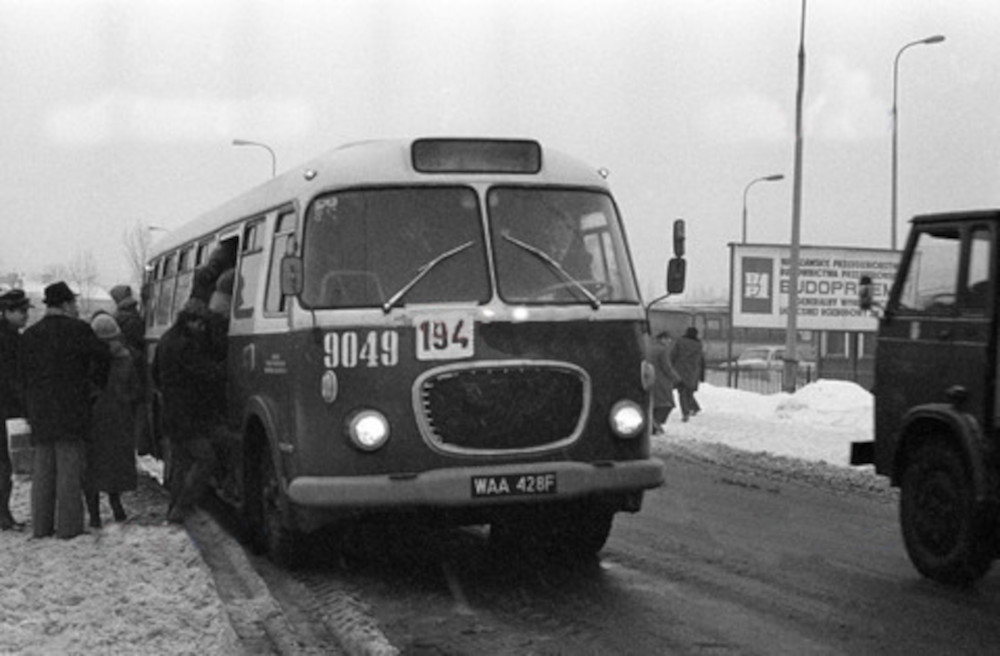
(111,448)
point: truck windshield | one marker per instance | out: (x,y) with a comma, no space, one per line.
(363,246)
(576,229)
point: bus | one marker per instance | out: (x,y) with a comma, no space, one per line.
(448,328)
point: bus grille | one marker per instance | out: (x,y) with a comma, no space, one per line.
(503,409)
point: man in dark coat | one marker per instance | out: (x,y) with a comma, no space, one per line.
(689,360)
(14,306)
(63,366)
(187,375)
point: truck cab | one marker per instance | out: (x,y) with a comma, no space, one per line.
(936,406)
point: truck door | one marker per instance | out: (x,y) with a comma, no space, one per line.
(936,335)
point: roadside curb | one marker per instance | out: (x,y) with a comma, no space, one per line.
(256,610)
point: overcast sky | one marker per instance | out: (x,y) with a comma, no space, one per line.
(119,111)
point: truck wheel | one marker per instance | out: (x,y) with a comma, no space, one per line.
(947,537)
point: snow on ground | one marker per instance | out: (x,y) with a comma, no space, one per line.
(142,587)
(138,587)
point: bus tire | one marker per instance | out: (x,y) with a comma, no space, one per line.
(947,536)
(577,531)
(270,533)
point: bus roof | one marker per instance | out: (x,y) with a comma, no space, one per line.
(378,162)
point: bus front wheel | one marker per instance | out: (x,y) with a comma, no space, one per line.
(271,534)
(947,536)
(575,531)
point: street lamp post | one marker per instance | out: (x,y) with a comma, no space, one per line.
(937,38)
(767,178)
(274,158)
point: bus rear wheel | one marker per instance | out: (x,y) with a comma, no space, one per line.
(948,537)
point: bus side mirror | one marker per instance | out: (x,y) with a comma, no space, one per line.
(679,236)
(676,275)
(291,275)
(866,294)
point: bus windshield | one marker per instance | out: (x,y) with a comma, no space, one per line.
(392,246)
(558,246)
(367,247)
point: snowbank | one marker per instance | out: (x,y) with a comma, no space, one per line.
(816,423)
(138,587)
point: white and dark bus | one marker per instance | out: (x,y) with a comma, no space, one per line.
(446,327)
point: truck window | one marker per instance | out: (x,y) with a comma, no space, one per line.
(933,273)
(977,280)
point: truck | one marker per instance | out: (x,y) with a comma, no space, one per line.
(937,409)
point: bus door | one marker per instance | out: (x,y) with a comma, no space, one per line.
(938,322)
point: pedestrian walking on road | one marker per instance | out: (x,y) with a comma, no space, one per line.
(14,306)
(666,379)
(111,448)
(64,366)
(689,360)
(188,377)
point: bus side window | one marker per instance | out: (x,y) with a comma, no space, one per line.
(284,235)
(185,274)
(248,276)
(165,296)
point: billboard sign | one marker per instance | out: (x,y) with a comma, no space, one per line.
(760,277)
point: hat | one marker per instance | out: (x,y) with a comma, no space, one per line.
(106,327)
(58,293)
(15,299)
(121,294)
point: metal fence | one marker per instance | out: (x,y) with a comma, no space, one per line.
(771,381)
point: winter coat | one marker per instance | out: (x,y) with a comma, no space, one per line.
(188,378)
(689,361)
(63,365)
(11,397)
(134,333)
(111,450)
(666,375)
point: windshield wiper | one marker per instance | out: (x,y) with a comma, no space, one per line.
(545,257)
(421,272)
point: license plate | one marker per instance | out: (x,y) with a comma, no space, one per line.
(514,485)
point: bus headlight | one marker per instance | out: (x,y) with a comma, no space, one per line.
(368,429)
(627,419)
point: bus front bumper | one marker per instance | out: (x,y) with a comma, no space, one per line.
(472,486)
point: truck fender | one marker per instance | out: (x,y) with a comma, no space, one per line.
(961,430)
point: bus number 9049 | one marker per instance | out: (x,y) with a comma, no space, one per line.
(349,349)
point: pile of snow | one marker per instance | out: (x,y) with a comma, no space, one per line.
(817,423)
(139,587)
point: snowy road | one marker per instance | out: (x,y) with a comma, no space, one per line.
(735,555)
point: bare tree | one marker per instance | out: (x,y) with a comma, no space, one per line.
(81,273)
(136,242)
